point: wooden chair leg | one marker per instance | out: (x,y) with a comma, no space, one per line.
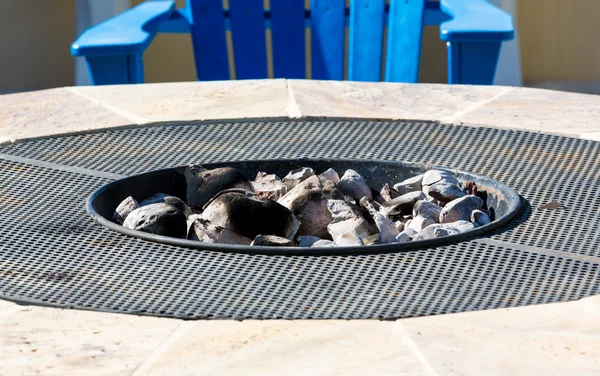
(472,63)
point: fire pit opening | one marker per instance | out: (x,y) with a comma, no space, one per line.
(304,206)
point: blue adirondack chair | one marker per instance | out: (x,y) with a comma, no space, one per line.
(473,30)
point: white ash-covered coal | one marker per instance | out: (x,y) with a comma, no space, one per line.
(307,209)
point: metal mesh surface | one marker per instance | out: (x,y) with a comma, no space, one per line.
(51,252)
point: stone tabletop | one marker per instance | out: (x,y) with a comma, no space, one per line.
(560,338)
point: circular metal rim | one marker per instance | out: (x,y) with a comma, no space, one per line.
(512,196)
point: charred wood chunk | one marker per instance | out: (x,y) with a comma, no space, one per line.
(202,184)
(250,216)
(159,219)
(202,230)
(402,205)
(297,176)
(352,184)
(330,174)
(273,241)
(460,209)
(411,184)
(124,209)
(427,209)
(269,186)
(308,202)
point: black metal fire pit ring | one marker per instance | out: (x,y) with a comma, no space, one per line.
(107,197)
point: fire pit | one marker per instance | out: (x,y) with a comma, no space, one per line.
(52,253)
(501,201)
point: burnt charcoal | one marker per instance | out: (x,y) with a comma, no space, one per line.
(445,231)
(273,241)
(179,204)
(230,190)
(402,237)
(202,230)
(168,199)
(203,184)
(250,216)
(330,174)
(402,205)
(159,219)
(480,217)
(443,191)
(269,186)
(420,222)
(308,202)
(437,230)
(297,176)
(460,209)
(369,205)
(433,176)
(399,226)
(411,184)
(388,193)
(429,232)
(411,233)
(124,209)
(352,184)
(348,218)
(387,228)
(462,226)
(427,209)
(349,199)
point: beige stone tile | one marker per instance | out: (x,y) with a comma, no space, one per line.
(388,100)
(553,339)
(539,110)
(6,306)
(195,100)
(287,348)
(54,111)
(49,341)
(595,136)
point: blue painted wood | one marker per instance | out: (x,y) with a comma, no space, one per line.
(115,69)
(405,31)
(472,63)
(327,39)
(473,28)
(366,40)
(129,32)
(178,23)
(208,39)
(434,15)
(248,32)
(475,20)
(288,40)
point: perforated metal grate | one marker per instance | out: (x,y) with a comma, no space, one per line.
(51,253)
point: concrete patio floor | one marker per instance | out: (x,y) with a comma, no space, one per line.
(560,338)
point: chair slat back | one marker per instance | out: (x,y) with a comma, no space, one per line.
(367,18)
(208,39)
(327,39)
(405,32)
(248,35)
(288,38)
(287,22)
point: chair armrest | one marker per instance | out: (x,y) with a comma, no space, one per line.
(475,21)
(128,33)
